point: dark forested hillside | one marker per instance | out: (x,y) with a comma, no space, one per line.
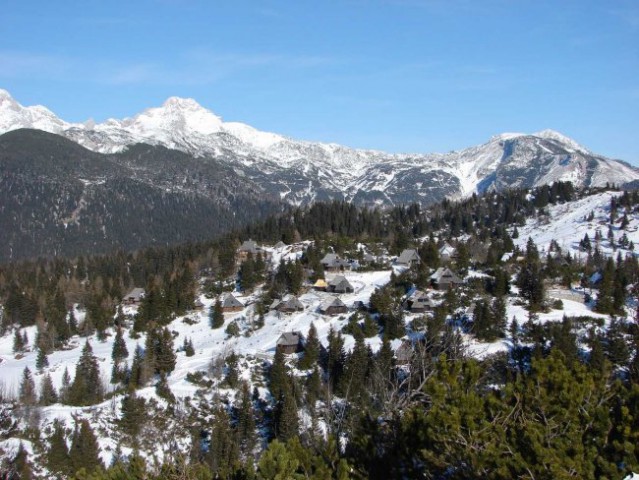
(57,198)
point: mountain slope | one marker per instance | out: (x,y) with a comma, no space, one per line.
(568,223)
(58,198)
(301,172)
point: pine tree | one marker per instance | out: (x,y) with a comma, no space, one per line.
(119,373)
(462,261)
(44,336)
(73,323)
(336,356)
(65,388)
(382,370)
(18,342)
(165,357)
(134,415)
(232,377)
(564,340)
(597,357)
(247,274)
(278,374)
(530,279)
(277,462)
(84,452)
(86,388)
(498,311)
(286,419)
(296,277)
(620,283)
(232,329)
(20,465)
(58,453)
(353,382)
(42,361)
(246,421)
(48,395)
(119,352)
(370,327)
(163,390)
(429,254)
(140,371)
(223,449)
(27,393)
(313,388)
(483,322)
(189,351)
(216,315)
(605,297)
(514,331)
(616,346)
(150,351)
(385,361)
(311,350)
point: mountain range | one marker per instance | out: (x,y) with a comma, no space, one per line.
(178,172)
(300,172)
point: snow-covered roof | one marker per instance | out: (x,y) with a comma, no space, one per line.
(230,301)
(331,302)
(289,302)
(332,260)
(249,246)
(408,256)
(445,274)
(340,284)
(447,249)
(338,280)
(329,259)
(289,338)
(417,294)
(135,294)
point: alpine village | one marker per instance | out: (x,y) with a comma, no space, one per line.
(489,334)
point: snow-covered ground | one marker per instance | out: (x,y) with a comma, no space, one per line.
(517,312)
(567,224)
(208,344)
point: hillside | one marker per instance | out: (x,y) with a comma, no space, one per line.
(567,225)
(548,330)
(59,199)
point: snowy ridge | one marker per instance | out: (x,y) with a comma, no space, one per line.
(562,139)
(14,116)
(568,224)
(301,172)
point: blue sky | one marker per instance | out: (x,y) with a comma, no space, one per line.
(395,75)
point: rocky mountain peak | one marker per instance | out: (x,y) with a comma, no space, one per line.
(301,172)
(177,116)
(549,134)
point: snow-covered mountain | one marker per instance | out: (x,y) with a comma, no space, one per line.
(301,172)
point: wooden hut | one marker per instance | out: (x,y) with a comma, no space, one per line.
(289,342)
(333,306)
